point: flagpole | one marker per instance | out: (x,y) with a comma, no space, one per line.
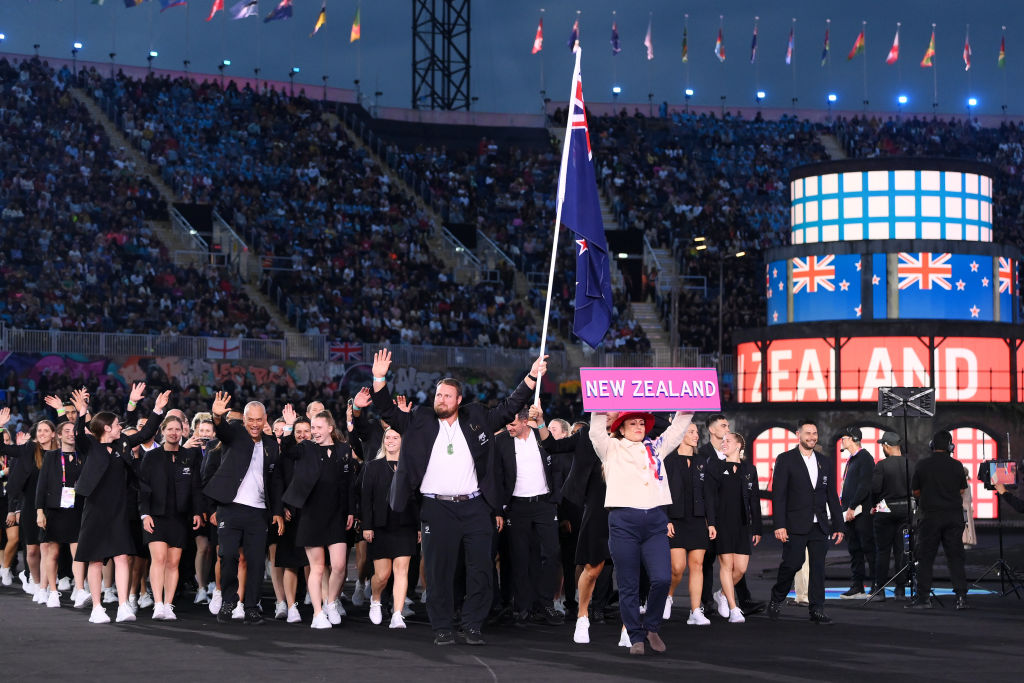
(792,64)
(935,82)
(757,66)
(967,46)
(1002,45)
(864,59)
(543,91)
(828,51)
(686,26)
(615,62)
(558,214)
(324,55)
(650,75)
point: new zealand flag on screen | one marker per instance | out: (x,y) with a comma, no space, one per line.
(826,287)
(950,286)
(775,292)
(581,213)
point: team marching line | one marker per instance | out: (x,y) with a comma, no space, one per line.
(499,513)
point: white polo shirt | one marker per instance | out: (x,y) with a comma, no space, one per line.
(450,474)
(530,480)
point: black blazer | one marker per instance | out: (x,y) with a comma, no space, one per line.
(237,448)
(159,479)
(687,501)
(554,472)
(50,481)
(419,429)
(97,459)
(583,462)
(750,505)
(369,433)
(376,489)
(857,481)
(795,502)
(23,476)
(308,466)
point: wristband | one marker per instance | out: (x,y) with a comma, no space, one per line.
(542,425)
(380,379)
(60,412)
(531,377)
(288,429)
(131,405)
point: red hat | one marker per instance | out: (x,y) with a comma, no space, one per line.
(648,421)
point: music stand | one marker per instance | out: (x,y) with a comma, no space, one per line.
(906,402)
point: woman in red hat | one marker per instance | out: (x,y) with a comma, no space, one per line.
(637,493)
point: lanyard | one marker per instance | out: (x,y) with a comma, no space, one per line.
(63,469)
(654,461)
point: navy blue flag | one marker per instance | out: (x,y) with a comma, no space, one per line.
(775,292)
(574,35)
(951,286)
(616,48)
(580,211)
(827,287)
(282,11)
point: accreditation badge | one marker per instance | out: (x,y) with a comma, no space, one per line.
(67,497)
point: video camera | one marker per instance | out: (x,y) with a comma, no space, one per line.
(1005,472)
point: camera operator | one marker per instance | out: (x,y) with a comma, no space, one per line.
(890,514)
(938,483)
(1008,498)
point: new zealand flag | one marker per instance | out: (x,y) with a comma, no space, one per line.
(580,212)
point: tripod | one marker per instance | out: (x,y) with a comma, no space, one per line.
(906,402)
(1007,574)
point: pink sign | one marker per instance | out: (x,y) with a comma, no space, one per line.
(650,389)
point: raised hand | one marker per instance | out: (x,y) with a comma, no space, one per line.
(138,392)
(53,402)
(221,400)
(80,398)
(363,399)
(536,414)
(540,366)
(193,442)
(404,404)
(5,416)
(289,415)
(161,401)
(381,363)
(22,438)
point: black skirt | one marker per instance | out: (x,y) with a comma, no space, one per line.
(393,541)
(322,521)
(592,546)
(691,534)
(28,530)
(288,554)
(733,539)
(170,529)
(62,524)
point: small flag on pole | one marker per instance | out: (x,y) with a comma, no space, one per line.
(753,44)
(616,46)
(926,61)
(894,51)
(1002,51)
(245,8)
(538,40)
(789,47)
(858,46)
(168,4)
(218,6)
(282,11)
(357,31)
(828,45)
(133,3)
(321,19)
(686,48)
(967,52)
(720,46)
(579,210)
(649,41)
(574,36)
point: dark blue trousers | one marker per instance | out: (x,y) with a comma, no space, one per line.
(639,538)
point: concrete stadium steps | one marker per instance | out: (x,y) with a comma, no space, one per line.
(647,314)
(832,146)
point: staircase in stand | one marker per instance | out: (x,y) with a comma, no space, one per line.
(832,146)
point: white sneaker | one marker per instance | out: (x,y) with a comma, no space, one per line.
(397,621)
(643,608)
(697,618)
(83,598)
(407,611)
(201,597)
(146,600)
(53,599)
(736,616)
(169,612)
(375,615)
(293,614)
(582,634)
(308,600)
(722,604)
(333,612)
(624,639)
(133,603)
(158,610)
(280,609)
(25,581)
(99,616)
(341,608)
(40,596)
(125,613)
(215,602)
(320,621)
(667,614)
(6,577)
(560,606)
(358,598)
(64,584)
(238,613)
(109,595)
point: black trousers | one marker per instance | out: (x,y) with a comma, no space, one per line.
(946,528)
(533,527)
(241,526)
(445,525)
(888,528)
(708,586)
(567,540)
(815,544)
(860,541)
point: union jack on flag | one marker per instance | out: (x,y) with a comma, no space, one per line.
(1005,275)
(346,351)
(813,272)
(924,270)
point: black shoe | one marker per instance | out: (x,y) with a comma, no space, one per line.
(749,607)
(523,618)
(253,616)
(224,615)
(819,617)
(774,609)
(552,617)
(444,637)
(855,593)
(597,616)
(961,602)
(878,594)
(925,603)
(474,637)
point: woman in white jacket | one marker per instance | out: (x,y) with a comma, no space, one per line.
(637,522)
